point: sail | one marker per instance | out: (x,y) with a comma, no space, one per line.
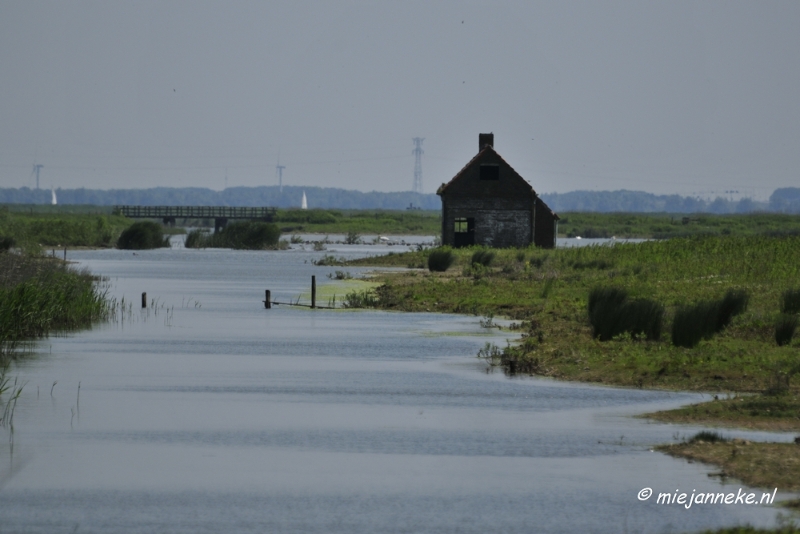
(304,202)
(53,200)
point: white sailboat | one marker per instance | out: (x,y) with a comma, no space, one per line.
(53,200)
(304,202)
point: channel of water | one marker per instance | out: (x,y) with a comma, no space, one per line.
(208,413)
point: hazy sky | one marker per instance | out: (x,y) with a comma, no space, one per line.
(672,96)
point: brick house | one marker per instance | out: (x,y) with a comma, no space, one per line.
(489,203)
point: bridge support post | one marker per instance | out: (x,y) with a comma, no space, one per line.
(219,223)
(168,221)
(313,292)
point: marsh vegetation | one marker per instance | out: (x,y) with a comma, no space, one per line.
(245,235)
(617,314)
(41,295)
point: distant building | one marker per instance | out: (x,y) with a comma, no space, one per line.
(489,203)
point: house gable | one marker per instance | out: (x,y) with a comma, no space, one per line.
(486,177)
(489,203)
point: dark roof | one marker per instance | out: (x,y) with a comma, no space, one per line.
(485,149)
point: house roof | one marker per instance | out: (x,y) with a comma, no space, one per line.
(483,151)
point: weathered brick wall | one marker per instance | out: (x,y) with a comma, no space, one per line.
(495,224)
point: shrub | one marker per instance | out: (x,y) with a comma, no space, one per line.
(784,329)
(733,303)
(689,324)
(352,238)
(483,257)
(6,243)
(142,235)
(708,437)
(612,314)
(790,301)
(706,318)
(440,259)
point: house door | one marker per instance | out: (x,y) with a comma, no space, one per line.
(464,232)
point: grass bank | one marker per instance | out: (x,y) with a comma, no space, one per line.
(33,231)
(40,295)
(550,291)
(762,465)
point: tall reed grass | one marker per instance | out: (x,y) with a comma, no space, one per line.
(39,295)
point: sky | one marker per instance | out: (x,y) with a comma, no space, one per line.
(697,98)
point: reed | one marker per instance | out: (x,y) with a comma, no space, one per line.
(39,295)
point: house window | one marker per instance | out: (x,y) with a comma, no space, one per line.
(461,225)
(490,172)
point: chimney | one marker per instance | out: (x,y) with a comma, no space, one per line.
(486,139)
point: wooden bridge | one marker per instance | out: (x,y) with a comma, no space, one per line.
(220,214)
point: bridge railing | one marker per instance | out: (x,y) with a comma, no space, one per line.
(196,212)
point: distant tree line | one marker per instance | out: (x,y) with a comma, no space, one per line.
(784,200)
(289,197)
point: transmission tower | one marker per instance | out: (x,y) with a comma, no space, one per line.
(418,152)
(36,169)
(279,171)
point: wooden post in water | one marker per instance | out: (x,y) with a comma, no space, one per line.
(65,253)
(267,299)
(144,300)
(313,291)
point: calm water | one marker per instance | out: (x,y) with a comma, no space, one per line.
(209,413)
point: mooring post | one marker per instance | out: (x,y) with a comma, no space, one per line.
(313,291)
(65,253)
(144,300)
(267,299)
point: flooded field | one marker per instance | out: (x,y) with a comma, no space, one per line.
(208,413)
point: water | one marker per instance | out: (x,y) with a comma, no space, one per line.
(208,413)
